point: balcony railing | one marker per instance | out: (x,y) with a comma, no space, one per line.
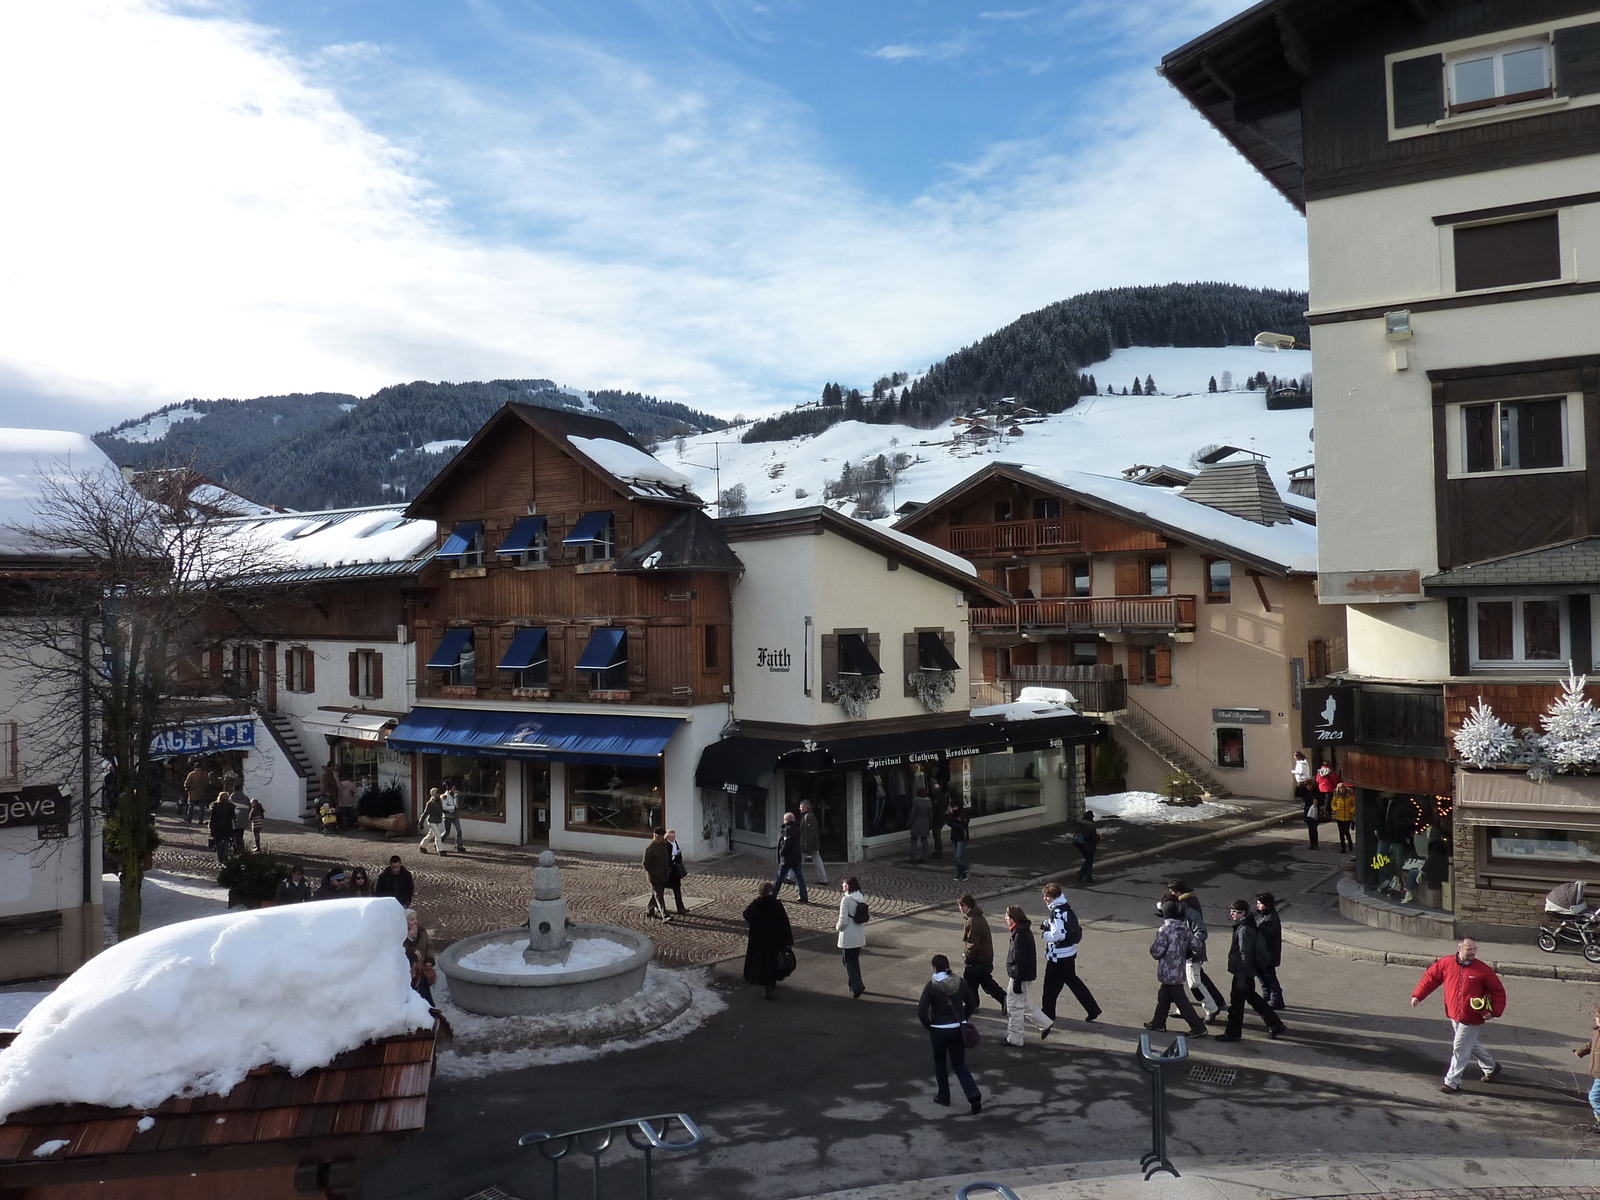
(1099,689)
(1015,537)
(1094,612)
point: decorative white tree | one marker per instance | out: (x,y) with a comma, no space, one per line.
(1484,740)
(1571,738)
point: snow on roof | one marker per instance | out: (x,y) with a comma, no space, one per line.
(628,462)
(28,456)
(337,537)
(290,987)
(1292,546)
(954,561)
(223,500)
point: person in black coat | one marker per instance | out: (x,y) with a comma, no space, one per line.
(1022,968)
(293,890)
(396,882)
(220,826)
(1247,955)
(1270,929)
(943,1009)
(769,936)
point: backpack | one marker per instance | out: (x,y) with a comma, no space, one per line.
(1074,931)
(859,914)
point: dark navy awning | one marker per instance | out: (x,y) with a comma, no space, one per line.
(855,658)
(543,737)
(933,654)
(527,650)
(460,539)
(449,652)
(588,529)
(522,536)
(604,650)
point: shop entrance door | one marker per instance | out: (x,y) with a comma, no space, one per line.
(825,792)
(536,803)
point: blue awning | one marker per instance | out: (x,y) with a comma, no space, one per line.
(522,535)
(603,651)
(460,539)
(527,650)
(449,652)
(588,529)
(543,737)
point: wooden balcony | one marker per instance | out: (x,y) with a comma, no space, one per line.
(1017,537)
(1089,613)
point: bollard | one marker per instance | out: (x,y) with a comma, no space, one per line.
(1158,1065)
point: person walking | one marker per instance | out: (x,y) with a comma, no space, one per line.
(1270,929)
(1343,807)
(1171,950)
(939,802)
(328,786)
(220,825)
(1200,984)
(943,1008)
(293,890)
(1591,1051)
(258,819)
(921,822)
(1062,933)
(196,786)
(657,865)
(978,953)
(396,881)
(852,929)
(1309,800)
(678,873)
(433,823)
(791,853)
(959,821)
(1473,994)
(1087,840)
(1022,968)
(451,801)
(1301,772)
(1247,956)
(768,937)
(811,840)
(241,814)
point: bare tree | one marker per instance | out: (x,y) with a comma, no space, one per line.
(117,625)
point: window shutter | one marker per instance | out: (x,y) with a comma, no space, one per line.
(1508,253)
(355,673)
(1460,655)
(1578,615)
(555,645)
(288,670)
(1577,54)
(311,670)
(1163,666)
(636,660)
(912,662)
(830,663)
(995,576)
(1053,581)
(1103,654)
(1130,577)
(1418,90)
(377,676)
(872,641)
(989,663)
(1135,664)
(949,638)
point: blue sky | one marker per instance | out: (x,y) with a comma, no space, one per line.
(722,201)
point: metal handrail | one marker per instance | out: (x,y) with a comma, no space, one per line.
(1201,761)
(1158,1065)
(597,1139)
(966,1189)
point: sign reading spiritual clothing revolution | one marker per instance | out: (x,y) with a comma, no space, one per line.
(229,733)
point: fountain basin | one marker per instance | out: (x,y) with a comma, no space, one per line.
(522,994)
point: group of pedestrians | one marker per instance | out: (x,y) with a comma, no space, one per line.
(230,816)
(440,815)
(340,883)
(665,868)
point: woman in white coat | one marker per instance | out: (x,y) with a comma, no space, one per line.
(852,932)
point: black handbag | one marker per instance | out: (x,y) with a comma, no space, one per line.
(969,1034)
(786,963)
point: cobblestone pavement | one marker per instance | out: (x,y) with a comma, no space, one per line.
(1488,1193)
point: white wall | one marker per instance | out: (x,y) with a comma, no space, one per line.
(1393,641)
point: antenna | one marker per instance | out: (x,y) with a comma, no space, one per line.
(715,466)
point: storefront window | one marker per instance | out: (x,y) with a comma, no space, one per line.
(998,783)
(480,783)
(360,759)
(603,798)
(1405,847)
(1544,845)
(750,810)
(1230,747)
(886,794)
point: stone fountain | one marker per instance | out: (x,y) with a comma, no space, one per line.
(548,966)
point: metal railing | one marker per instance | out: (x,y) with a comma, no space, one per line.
(1200,761)
(965,1190)
(1099,689)
(1007,537)
(1158,1065)
(1090,612)
(641,1133)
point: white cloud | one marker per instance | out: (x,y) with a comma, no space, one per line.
(203,216)
(897,52)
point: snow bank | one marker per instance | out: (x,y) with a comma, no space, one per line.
(506,957)
(335,537)
(1147,808)
(191,1008)
(626,462)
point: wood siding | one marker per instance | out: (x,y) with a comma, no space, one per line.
(1085,531)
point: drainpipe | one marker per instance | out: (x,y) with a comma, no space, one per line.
(83,763)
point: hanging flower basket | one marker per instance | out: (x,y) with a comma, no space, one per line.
(932,687)
(854,693)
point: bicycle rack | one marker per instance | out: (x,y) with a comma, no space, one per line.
(1005,1193)
(641,1133)
(1158,1065)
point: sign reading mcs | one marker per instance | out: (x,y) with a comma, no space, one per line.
(1328,716)
(234,733)
(772,660)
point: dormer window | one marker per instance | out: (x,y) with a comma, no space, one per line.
(465,544)
(596,534)
(1490,78)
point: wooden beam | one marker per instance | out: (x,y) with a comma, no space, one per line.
(1210,68)
(1261,591)
(1295,52)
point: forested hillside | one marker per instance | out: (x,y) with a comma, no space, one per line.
(1041,357)
(334,451)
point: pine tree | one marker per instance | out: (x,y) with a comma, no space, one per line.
(1136,390)
(1571,739)
(1227,381)
(1484,740)
(1212,386)
(1149,386)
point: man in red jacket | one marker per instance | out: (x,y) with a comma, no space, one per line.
(1472,994)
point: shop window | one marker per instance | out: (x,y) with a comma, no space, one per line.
(366,674)
(886,794)
(464,546)
(998,783)
(711,648)
(595,535)
(480,783)
(357,761)
(1514,435)
(1080,579)
(605,659)
(750,810)
(1565,846)
(1519,632)
(608,798)
(528,543)
(1407,846)
(456,656)
(1219,581)
(299,667)
(1230,746)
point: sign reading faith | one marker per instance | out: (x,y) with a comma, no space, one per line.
(773,660)
(1241,716)
(232,733)
(1328,716)
(33,806)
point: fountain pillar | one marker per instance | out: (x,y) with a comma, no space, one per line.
(548,941)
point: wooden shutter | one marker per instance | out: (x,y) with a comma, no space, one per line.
(1053,581)
(994,575)
(637,662)
(311,670)
(1577,54)
(288,669)
(1460,655)
(911,661)
(1135,664)
(355,673)
(1103,653)
(1508,253)
(1578,615)
(1163,666)
(1017,582)
(830,664)
(872,641)
(1418,90)
(377,676)
(555,646)
(989,663)
(948,636)
(1130,577)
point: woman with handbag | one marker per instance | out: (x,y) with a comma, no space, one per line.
(1022,968)
(676,875)
(946,1004)
(769,949)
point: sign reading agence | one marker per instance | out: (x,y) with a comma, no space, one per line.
(234,733)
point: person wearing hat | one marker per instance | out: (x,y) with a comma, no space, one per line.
(334,886)
(1473,994)
(295,889)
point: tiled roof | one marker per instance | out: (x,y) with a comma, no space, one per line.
(1568,563)
(1241,488)
(379,1088)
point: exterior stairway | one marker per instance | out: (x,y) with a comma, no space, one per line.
(1162,741)
(289,742)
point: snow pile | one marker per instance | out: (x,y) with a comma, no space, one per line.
(442,445)
(1147,808)
(506,957)
(335,537)
(939,553)
(628,462)
(189,1009)
(1022,710)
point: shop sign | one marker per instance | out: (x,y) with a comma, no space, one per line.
(926,756)
(777,661)
(33,806)
(234,733)
(1328,716)
(1241,716)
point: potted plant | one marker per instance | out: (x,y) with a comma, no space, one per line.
(252,878)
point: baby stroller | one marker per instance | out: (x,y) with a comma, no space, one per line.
(1572,924)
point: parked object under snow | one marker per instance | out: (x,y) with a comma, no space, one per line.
(1147,808)
(190,1008)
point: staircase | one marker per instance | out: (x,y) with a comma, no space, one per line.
(289,742)
(1165,743)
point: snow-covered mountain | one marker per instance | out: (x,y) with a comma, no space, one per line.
(1102,434)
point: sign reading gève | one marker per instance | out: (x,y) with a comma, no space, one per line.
(1328,716)
(772,660)
(32,806)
